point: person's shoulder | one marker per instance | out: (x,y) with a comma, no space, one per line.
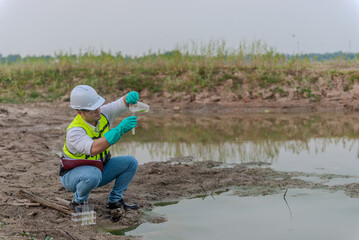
(76,130)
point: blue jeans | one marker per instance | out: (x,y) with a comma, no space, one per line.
(82,180)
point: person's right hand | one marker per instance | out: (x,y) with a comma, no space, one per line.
(132,97)
(116,133)
(127,124)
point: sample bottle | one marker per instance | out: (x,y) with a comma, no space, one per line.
(138,107)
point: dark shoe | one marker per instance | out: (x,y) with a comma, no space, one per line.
(121,203)
(77,207)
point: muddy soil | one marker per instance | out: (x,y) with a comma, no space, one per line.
(32,138)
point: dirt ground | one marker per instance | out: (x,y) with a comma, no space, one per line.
(32,138)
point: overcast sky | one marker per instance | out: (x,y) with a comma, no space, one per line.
(36,27)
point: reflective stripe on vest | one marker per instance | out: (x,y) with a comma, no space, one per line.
(104,127)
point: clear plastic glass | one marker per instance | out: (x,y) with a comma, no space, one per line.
(86,217)
(138,107)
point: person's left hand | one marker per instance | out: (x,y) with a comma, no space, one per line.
(132,97)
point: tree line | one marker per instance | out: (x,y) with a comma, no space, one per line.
(13,58)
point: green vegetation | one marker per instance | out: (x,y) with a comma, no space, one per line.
(121,231)
(202,196)
(29,236)
(163,204)
(219,192)
(189,68)
(33,236)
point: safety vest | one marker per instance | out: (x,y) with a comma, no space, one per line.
(104,126)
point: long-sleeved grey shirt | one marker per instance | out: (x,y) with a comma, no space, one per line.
(77,140)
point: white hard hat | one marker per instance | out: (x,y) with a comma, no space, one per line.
(85,97)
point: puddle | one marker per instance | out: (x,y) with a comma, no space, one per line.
(326,179)
(310,214)
(341,181)
(310,179)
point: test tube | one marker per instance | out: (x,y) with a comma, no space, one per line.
(133,129)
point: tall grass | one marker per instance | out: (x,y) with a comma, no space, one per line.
(190,67)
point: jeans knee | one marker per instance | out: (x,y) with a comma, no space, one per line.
(132,163)
(93,179)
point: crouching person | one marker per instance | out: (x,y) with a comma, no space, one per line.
(89,137)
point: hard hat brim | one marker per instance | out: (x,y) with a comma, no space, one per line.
(98,104)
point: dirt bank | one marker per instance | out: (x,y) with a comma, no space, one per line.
(321,93)
(32,136)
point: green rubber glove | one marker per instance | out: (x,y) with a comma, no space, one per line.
(116,133)
(132,97)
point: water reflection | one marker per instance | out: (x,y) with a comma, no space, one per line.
(225,152)
(270,138)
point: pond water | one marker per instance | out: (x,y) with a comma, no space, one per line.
(310,214)
(310,143)
(318,143)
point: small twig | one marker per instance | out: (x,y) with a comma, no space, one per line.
(285,193)
(285,200)
(212,194)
